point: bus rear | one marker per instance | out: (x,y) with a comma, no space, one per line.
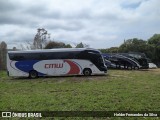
(12,70)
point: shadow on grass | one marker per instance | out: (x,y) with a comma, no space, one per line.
(71,77)
(116,69)
(144,69)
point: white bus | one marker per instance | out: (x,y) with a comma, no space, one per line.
(55,62)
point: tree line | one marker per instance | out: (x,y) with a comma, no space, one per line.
(151,47)
(42,41)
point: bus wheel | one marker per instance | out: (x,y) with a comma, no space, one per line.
(129,67)
(87,72)
(136,68)
(33,74)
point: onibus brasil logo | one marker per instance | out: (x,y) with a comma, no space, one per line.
(21,114)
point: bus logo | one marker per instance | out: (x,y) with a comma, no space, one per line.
(60,65)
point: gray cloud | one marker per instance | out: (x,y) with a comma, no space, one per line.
(65,25)
(131,5)
(100,23)
(42,12)
(7,5)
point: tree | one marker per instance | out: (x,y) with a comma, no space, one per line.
(103,50)
(54,44)
(80,45)
(133,45)
(39,42)
(3,52)
(68,46)
(0,63)
(154,41)
(40,39)
(150,52)
(113,50)
(151,47)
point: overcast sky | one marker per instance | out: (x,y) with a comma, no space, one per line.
(98,23)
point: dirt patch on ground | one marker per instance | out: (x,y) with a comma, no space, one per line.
(157,71)
(121,76)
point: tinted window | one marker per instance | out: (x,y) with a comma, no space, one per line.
(43,56)
(16,56)
(65,55)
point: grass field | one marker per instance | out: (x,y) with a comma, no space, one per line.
(119,90)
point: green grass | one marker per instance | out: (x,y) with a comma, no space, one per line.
(119,90)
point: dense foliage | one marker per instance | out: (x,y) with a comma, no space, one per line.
(54,44)
(151,47)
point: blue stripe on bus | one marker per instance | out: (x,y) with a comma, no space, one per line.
(27,66)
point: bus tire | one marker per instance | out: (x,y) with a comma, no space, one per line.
(129,67)
(87,72)
(33,74)
(136,68)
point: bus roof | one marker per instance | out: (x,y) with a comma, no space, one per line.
(53,50)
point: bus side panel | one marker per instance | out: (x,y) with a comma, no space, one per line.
(51,67)
(87,64)
(57,67)
(65,67)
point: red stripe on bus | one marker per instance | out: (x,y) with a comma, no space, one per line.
(74,69)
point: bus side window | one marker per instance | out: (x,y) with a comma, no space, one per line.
(82,55)
(42,56)
(11,56)
(49,56)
